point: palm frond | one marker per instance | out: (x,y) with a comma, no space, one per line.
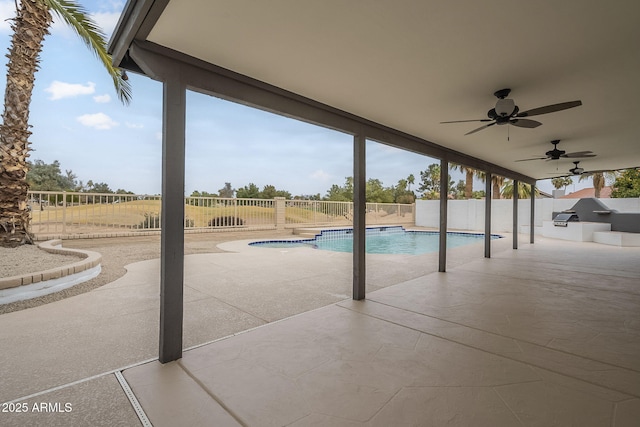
(77,17)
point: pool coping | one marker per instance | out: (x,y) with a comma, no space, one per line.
(319,231)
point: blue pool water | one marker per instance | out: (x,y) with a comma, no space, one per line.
(380,240)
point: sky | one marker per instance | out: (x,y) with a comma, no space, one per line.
(78,120)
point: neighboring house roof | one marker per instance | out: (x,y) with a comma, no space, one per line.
(585,193)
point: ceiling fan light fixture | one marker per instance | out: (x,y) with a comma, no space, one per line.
(505,107)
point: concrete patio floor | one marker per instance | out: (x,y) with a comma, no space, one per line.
(545,335)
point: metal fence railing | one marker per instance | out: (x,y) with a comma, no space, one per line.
(67,213)
(316,212)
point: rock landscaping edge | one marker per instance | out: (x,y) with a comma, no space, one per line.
(89,259)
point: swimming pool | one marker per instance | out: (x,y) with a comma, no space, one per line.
(380,240)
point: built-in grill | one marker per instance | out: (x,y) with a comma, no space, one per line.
(562,219)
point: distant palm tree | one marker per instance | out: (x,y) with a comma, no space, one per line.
(496,182)
(30,26)
(411,180)
(599,180)
(524,190)
(562,181)
(469,174)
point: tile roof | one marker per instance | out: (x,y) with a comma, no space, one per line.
(585,193)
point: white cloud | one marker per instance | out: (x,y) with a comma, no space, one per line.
(102,99)
(134,125)
(107,21)
(320,175)
(60,90)
(98,121)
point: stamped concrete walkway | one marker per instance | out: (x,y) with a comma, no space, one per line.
(542,336)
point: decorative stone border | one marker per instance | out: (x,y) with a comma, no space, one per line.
(89,260)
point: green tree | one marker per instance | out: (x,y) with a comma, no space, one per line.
(268,192)
(410,181)
(101,187)
(226,191)
(460,191)
(496,182)
(524,190)
(197,193)
(30,26)
(49,177)
(599,180)
(250,191)
(341,193)
(402,192)
(308,197)
(377,193)
(627,184)
(430,186)
(469,174)
(561,182)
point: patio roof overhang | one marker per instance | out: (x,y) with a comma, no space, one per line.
(398,70)
(391,72)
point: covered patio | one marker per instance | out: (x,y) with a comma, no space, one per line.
(503,340)
(544,336)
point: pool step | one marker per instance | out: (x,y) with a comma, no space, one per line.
(306,235)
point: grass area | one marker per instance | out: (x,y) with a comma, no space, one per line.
(134,213)
(144,214)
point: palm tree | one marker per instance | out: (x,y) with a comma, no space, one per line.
(469,174)
(524,190)
(561,181)
(599,180)
(411,180)
(30,26)
(496,181)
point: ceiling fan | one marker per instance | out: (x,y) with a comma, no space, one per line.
(556,154)
(507,112)
(576,170)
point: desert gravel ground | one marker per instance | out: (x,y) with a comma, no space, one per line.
(29,259)
(116,253)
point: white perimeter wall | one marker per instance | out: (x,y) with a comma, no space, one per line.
(469,214)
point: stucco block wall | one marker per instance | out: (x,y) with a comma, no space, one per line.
(469,214)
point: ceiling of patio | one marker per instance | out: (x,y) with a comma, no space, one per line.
(410,65)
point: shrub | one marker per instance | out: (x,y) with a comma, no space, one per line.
(225,221)
(151,220)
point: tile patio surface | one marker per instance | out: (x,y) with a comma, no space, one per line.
(548,335)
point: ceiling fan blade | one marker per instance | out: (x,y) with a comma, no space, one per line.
(550,109)
(480,128)
(579,154)
(535,158)
(524,123)
(465,121)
